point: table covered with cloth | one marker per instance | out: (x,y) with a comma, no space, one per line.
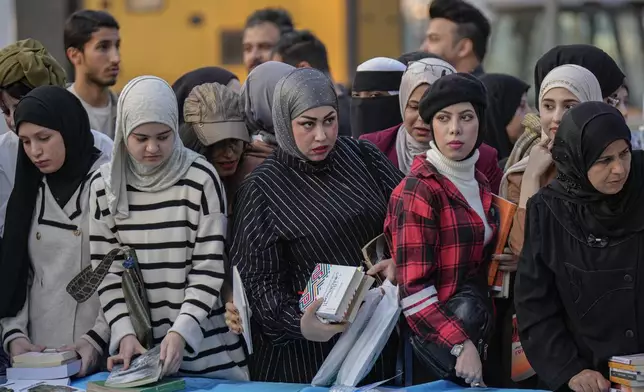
(194,384)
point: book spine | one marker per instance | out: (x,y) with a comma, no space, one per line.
(630,368)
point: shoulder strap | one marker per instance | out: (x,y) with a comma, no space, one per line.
(85,284)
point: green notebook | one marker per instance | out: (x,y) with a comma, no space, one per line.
(168,385)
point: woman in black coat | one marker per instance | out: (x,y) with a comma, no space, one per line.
(578,289)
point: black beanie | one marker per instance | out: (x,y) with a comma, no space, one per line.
(450,90)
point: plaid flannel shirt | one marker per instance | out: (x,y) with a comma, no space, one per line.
(437,242)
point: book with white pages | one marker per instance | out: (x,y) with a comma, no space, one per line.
(241,303)
(66,370)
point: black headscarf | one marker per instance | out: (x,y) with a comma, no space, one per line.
(605,69)
(584,133)
(184,85)
(450,90)
(504,94)
(55,108)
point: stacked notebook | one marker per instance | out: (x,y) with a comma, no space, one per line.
(627,373)
(47,365)
(343,289)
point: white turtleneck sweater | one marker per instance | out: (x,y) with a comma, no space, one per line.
(461,174)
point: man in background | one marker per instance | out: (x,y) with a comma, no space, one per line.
(302,49)
(262,31)
(458,32)
(92,44)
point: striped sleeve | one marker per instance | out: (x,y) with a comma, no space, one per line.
(207,274)
(102,241)
(99,335)
(256,252)
(15,327)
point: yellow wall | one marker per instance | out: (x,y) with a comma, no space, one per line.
(167,45)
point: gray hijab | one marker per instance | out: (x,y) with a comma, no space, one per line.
(425,71)
(297,92)
(257,95)
(145,99)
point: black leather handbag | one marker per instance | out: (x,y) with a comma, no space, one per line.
(472,304)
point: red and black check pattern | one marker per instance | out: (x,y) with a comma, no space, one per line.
(437,242)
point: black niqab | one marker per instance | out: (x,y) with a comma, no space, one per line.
(55,108)
(370,115)
(605,69)
(184,85)
(504,94)
(584,133)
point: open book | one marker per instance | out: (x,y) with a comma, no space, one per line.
(144,369)
(241,302)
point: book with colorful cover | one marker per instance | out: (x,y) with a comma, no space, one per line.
(342,287)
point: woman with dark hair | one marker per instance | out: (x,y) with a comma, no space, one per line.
(439,224)
(42,254)
(578,288)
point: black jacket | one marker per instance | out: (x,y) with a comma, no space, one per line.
(577,304)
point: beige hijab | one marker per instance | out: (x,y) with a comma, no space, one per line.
(580,82)
(425,71)
(144,100)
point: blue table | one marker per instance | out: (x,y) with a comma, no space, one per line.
(211,385)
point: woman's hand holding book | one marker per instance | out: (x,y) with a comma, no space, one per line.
(128,348)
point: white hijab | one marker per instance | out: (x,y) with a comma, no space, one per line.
(144,100)
(425,71)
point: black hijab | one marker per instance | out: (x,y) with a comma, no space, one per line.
(504,94)
(605,69)
(184,85)
(55,108)
(584,133)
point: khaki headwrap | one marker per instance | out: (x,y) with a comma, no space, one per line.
(28,61)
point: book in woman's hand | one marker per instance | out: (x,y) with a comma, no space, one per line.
(144,369)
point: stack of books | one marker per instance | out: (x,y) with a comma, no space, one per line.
(627,373)
(47,365)
(343,289)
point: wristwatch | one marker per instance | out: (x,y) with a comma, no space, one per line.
(457,350)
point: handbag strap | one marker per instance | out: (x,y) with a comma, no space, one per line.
(85,284)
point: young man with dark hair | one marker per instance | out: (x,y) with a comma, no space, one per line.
(262,32)
(92,44)
(302,49)
(458,32)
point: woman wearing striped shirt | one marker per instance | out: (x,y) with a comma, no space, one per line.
(167,203)
(316,199)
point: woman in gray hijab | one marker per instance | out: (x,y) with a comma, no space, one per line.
(317,199)
(256,101)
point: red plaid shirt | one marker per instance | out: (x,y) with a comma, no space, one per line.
(437,242)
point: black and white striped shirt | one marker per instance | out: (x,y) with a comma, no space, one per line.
(290,215)
(178,235)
